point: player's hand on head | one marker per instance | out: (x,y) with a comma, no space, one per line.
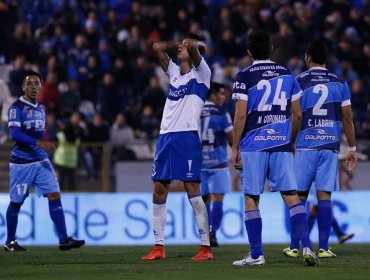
(46,146)
(351,160)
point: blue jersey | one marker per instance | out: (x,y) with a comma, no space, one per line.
(30,118)
(215,123)
(324,95)
(269,89)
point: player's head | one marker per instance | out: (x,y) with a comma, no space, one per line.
(216,93)
(258,45)
(182,53)
(31,85)
(316,53)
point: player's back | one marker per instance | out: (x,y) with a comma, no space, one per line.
(324,94)
(30,118)
(269,89)
(215,123)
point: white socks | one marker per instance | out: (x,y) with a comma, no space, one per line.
(159,222)
(201,218)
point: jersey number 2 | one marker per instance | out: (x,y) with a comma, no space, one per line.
(279,96)
(317,110)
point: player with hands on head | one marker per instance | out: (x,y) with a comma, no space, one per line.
(178,153)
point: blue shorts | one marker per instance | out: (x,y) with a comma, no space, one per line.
(38,175)
(319,166)
(277,167)
(215,181)
(178,156)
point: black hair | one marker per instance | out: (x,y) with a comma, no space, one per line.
(214,89)
(259,44)
(195,37)
(31,73)
(318,51)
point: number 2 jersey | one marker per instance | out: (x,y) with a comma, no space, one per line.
(324,95)
(215,124)
(269,89)
(30,119)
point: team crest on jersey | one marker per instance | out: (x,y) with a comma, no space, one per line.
(29,113)
(12,113)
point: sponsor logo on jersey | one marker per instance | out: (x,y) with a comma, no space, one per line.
(270,73)
(12,113)
(238,85)
(271,136)
(322,135)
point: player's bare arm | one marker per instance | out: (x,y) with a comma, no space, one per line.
(194,48)
(45,145)
(349,131)
(160,49)
(296,114)
(240,119)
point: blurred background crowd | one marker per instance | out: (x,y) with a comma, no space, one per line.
(101,81)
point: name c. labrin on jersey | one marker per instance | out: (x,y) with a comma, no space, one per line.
(320,123)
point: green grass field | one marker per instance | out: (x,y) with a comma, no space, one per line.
(124,262)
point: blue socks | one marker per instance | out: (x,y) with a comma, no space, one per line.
(216,215)
(324,221)
(299,226)
(12,220)
(57,216)
(253,224)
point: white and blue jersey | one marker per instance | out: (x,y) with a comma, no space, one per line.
(178,153)
(215,124)
(269,89)
(185,100)
(324,95)
(30,118)
(29,164)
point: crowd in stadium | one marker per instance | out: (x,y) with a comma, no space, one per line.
(96,57)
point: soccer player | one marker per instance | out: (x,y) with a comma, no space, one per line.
(179,149)
(216,131)
(267,119)
(325,103)
(30,166)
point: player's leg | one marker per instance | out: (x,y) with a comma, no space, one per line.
(304,175)
(21,178)
(281,178)
(201,219)
(161,176)
(204,191)
(219,185)
(255,165)
(46,184)
(159,219)
(326,182)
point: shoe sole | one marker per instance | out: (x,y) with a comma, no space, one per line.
(250,264)
(311,261)
(202,259)
(153,259)
(290,256)
(71,247)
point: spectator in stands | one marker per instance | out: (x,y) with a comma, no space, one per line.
(70,100)
(16,76)
(154,96)
(49,94)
